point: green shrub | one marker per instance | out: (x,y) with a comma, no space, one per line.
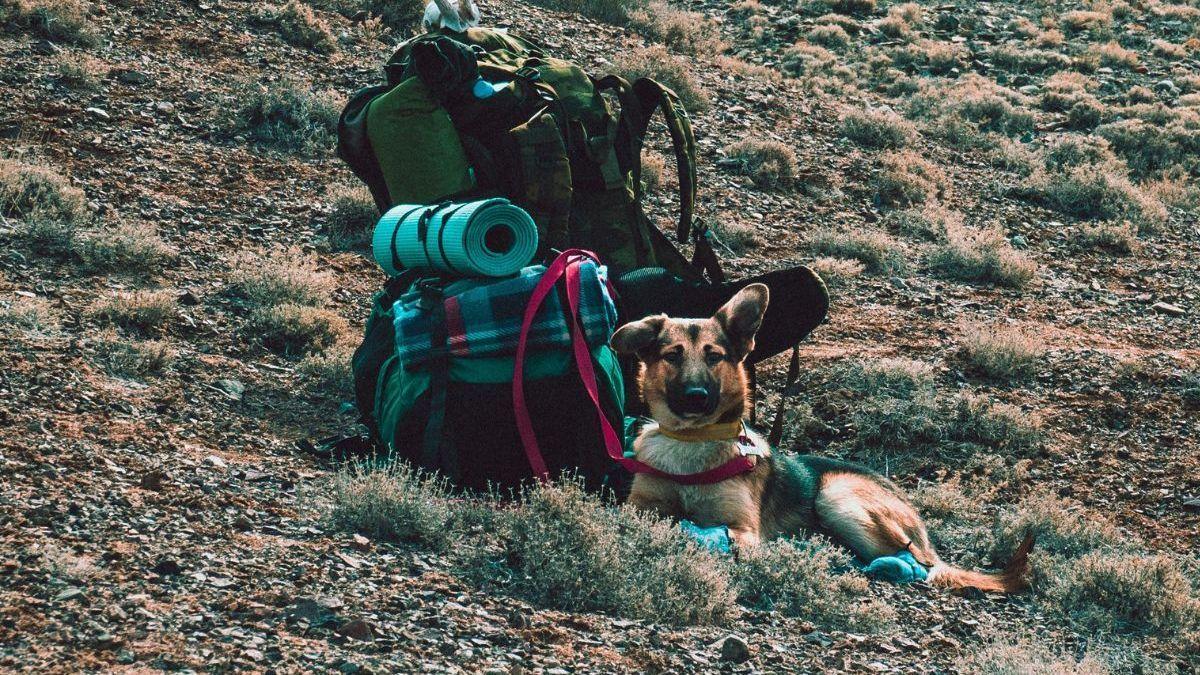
(739,237)
(830,36)
(812,580)
(79,72)
(132,358)
(610,11)
(328,372)
(836,272)
(804,59)
(768,163)
(657,63)
(684,31)
(1025,657)
(285,114)
(1097,192)
(930,222)
(975,99)
(1119,238)
(564,549)
(1060,528)
(1026,60)
(396,14)
(903,378)
(1148,148)
(393,503)
(878,252)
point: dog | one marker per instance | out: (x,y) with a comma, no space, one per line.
(694,383)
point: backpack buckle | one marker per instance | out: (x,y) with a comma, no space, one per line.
(529,74)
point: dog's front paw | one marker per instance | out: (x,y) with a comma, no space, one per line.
(715,539)
(901,568)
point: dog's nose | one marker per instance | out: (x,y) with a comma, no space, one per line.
(696,398)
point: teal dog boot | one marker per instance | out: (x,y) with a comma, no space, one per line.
(901,568)
(715,539)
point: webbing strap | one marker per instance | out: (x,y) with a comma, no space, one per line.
(567,264)
(439,378)
(793,375)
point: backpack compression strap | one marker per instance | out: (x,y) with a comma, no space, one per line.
(567,264)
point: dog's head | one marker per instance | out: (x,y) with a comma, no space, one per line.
(692,369)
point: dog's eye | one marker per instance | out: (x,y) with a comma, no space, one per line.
(673,356)
(713,358)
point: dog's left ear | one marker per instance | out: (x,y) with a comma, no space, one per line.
(742,316)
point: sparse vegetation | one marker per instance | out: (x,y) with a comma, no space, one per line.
(125,248)
(1119,238)
(879,253)
(352,217)
(56,20)
(328,372)
(141,311)
(24,313)
(769,163)
(657,63)
(830,36)
(299,26)
(285,114)
(282,276)
(688,32)
(35,192)
(982,255)
(878,129)
(77,71)
(654,166)
(905,177)
(1025,657)
(1097,191)
(836,272)
(739,237)
(1005,354)
(124,358)
(296,330)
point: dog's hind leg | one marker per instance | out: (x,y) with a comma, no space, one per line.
(870,518)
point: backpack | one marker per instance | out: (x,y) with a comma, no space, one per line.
(470,396)
(554,140)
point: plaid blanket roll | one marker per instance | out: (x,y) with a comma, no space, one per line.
(483,317)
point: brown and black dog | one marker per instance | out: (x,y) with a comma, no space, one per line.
(694,383)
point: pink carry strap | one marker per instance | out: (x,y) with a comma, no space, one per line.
(567,263)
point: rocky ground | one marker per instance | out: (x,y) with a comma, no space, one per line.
(173,521)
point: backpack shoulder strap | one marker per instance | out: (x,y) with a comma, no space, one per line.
(653,96)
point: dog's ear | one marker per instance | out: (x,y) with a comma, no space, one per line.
(741,317)
(637,337)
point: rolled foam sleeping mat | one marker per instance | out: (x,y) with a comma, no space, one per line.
(486,238)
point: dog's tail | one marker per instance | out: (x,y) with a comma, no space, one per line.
(1012,579)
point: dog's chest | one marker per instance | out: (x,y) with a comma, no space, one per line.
(706,505)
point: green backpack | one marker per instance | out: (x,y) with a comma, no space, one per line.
(558,142)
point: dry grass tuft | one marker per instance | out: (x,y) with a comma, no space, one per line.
(1119,238)
(876,128)
(657,63)
(1004,354)
(299,26)
(836,272)
(988,106)
(654,167)
(1113,55)
(1097,192)
(352,217)
(982,255)
(1169,50)
(1025,657)
(681,30)
(929,222)
(143,312)
(79,72)
(610,11)
(878,252)
(33,191)
(932,56)
(328,372)
(285,114)
(393,503)
(829,35)
(127,248)
(292,329)
(803,59)
(811,580)
(281,276)
(28,314)
(739,237)
(1086,20)
(55,20)
(132,358)
(905,177)
(769,163)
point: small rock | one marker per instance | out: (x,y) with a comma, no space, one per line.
(361,543)
(1019,241)
(314,612)
(234,389)
(69,593)
(216,462)
(734,648)
(188,297)
(1192,505)
(1168,308)
(165,107)
(167,567)
(357,629)
(98,113)
(153,480)
(125,657)
(132,77)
